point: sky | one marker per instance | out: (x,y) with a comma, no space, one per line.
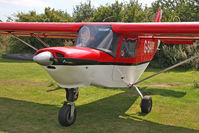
(11,7)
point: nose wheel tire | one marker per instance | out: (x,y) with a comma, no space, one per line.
(67,115)
(146,104)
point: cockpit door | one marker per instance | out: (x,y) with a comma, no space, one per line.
(124,71)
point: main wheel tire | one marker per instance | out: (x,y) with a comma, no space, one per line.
(146,104)
(64,116)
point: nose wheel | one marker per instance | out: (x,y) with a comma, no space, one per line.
(67,113)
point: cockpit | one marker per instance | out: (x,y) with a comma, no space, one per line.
(100,37)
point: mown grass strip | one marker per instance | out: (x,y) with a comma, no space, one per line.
(26,106)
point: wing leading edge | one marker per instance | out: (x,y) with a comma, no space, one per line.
(163,31)
(44,30)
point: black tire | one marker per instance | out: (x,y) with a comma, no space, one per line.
(146,104)
(64,115)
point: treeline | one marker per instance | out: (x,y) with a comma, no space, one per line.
(133,11)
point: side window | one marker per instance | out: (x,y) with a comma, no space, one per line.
(128,48)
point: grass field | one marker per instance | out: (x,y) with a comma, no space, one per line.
(26,106)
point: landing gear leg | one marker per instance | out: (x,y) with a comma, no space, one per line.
(67,113)
(146,103)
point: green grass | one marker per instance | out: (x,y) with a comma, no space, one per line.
(26,106)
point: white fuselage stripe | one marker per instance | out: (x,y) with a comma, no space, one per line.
(100,75)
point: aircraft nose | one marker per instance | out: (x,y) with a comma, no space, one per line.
(44,58)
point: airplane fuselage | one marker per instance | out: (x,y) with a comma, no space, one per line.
(101,57)
(68,76)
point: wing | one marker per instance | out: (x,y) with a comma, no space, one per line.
(166,32)
(174,33)
(44,30)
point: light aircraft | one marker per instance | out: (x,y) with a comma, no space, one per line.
(105,54)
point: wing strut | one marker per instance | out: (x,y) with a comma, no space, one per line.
(169,68)
(22,41)
(38,38)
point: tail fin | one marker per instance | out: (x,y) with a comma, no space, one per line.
(159,16)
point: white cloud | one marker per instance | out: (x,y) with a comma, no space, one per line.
(26,3)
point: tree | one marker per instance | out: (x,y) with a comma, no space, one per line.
(133,12)
(177,10)
(108,13)
(83,12)
(5,41)
(50,15)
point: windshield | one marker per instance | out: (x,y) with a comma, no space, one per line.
(99,37)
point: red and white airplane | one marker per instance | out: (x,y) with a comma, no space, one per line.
(105,54)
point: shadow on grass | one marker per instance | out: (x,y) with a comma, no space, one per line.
(99,116)
(178,69)
(162,92)
(14,61)
(154,91)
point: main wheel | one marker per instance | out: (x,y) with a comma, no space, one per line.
(146,104)
(64,116)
